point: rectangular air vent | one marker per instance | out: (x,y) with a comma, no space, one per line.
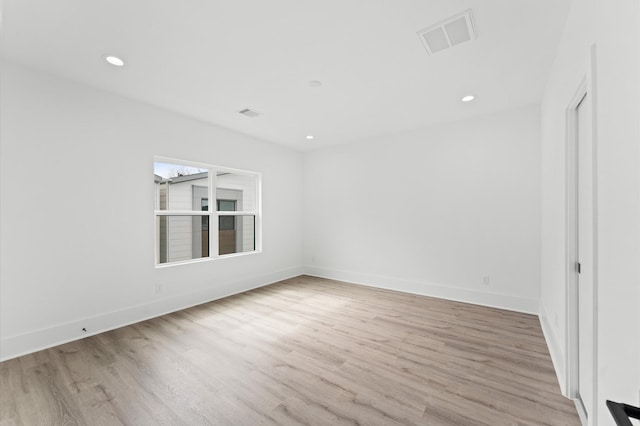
(450,32)
(249,113)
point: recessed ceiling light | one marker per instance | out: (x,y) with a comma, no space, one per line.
(315,83)
(114,60)
(309,137)
(468,98)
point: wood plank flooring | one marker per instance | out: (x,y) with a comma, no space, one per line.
(303,351)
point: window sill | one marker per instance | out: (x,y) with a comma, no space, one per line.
(205,259)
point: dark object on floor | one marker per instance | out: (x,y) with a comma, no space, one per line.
(622,413)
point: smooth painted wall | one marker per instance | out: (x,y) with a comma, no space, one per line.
(570,69)
(611,29)
(432,211)
(77,200)
(618,202)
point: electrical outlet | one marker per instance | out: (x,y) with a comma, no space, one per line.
(159,288)
(486,280)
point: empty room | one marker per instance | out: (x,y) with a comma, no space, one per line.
(286,212)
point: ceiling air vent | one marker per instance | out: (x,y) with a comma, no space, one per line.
(450,32)
(249,113)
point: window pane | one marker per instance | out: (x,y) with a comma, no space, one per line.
(227,205)
(180,187)
(237,235)
(227,223)
(205,219)
(236,187)
(182,238)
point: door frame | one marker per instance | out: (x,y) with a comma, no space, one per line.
(586,86)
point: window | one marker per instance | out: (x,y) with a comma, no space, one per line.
(189,227)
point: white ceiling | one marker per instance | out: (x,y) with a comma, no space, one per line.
(211,58)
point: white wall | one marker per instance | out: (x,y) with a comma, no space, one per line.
(432,211)
(569,70)
(77,204)
(618,206)
(613,27)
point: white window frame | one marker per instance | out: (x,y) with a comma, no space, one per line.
(212,213)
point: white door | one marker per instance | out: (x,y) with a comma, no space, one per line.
(585,225)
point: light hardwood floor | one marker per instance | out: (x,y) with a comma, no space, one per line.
(302,351)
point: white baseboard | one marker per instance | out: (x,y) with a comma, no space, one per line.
(502,301)
(22,344)
(555,350)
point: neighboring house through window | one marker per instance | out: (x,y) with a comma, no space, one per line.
(189,227)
